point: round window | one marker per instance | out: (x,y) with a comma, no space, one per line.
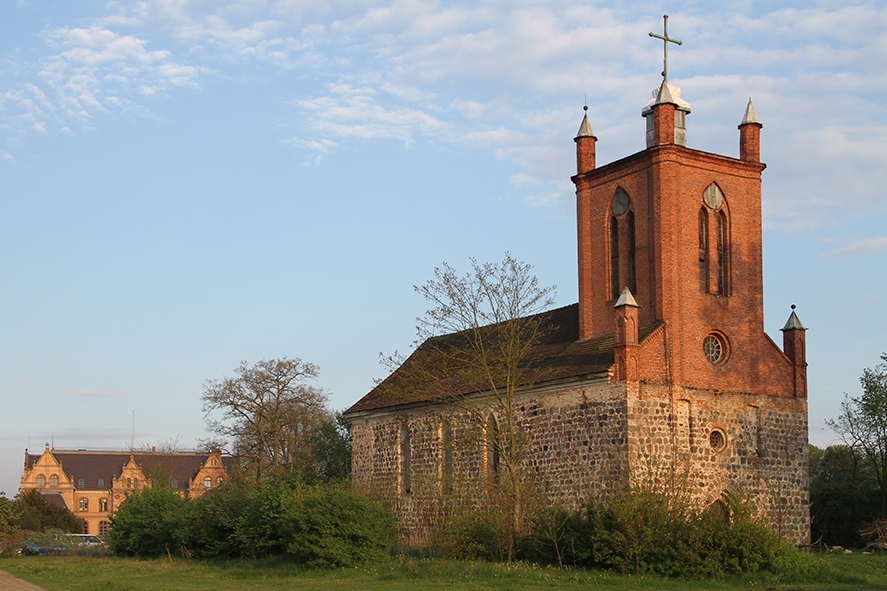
(715,348)
(717,440)
(621,202)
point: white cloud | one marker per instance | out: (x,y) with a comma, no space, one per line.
(859,248)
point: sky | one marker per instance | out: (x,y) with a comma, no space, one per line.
(188,184)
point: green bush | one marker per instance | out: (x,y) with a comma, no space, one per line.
(331,526)
(639,531)
(145,524)
(482,534)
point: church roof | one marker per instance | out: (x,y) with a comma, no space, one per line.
(559,355)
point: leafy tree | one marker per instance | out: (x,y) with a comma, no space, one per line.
(270,412)
(843,495)
(477,338)
(862,424)
(9,516)
(331,447)
(37,514)
(145,524)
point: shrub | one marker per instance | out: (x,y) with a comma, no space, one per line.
(482,534)
(331,526)
(145,524)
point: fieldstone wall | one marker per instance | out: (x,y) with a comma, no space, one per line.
(587,440)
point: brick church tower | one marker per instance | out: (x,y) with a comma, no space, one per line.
(662,369)
(671,237)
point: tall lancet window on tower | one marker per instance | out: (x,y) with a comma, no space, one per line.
(614,257)
(722,254)
(623,224)
(703,249)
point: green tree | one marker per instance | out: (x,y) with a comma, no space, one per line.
(331,448)
(145,524)
(9,516)
(37,514)
(862,424)
(475,347)
(270,412)
(843,495)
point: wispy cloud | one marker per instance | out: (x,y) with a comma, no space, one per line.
(860,248)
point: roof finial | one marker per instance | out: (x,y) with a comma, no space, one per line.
(665,40)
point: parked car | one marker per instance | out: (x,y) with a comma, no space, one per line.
(60,544)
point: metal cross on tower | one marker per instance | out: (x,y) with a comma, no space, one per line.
(665,40)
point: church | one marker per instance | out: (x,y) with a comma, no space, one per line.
(663,361)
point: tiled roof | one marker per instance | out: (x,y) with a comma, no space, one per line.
(93,466)
(559,355)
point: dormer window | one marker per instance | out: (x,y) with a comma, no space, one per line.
(41,480)
(53,480)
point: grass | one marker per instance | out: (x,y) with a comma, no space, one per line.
(77,573)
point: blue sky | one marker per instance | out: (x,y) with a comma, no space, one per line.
(187,184)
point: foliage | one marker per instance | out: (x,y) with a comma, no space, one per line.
(644,532)
(144,525)
(37,514)
(843,495)
(270,412)
(331,526)
(862,424)
(331,450)
(477,338)
(481,534)
(10,511)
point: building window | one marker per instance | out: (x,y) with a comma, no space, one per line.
(405,459)
(80,483)
(207,483)
(446,456)
(632,266)
(53,480)
(218,481)
(85,527)
(129,483)
(175,484)
(722,254)
(703,250)
(614,258)
(135,482)
(101,482)
(492,448)
(103,504)
(41,480)
(104,528)
(714,346)
(83,504)
(717,439)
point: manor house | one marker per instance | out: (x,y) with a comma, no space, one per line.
(662,364)
(92,484)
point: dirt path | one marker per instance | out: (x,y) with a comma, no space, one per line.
(10,583)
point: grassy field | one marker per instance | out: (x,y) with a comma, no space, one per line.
(72,573)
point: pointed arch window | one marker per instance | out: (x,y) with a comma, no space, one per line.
(703,250)
(405,459)
(723,285)
(614,257)
(632,267)
(446,456)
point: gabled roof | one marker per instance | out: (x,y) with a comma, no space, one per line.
(559,355)
(93,466)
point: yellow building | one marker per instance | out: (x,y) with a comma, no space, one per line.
(92,484)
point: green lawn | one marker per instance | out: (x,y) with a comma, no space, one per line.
(71,573)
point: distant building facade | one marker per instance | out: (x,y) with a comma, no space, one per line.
(93,484)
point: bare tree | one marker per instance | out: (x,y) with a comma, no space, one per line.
(270,412)
(475,348)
